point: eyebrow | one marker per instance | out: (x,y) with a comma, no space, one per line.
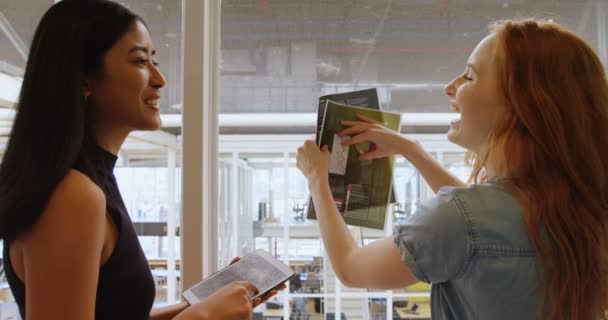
(472,66)
(140,48)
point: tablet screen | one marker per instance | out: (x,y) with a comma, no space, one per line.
(252,268)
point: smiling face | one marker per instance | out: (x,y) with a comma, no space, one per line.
(125,95)
(475,95)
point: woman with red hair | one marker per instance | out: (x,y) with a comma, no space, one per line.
(528,238)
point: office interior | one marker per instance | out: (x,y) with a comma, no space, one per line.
(274,58)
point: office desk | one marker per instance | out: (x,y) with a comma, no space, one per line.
(5,292)
(162,263)
(423,312)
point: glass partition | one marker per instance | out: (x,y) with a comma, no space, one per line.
(273,196)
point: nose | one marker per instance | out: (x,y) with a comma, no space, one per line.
(157,80)
(450,88)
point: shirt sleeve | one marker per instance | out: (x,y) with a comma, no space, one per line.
(434,242)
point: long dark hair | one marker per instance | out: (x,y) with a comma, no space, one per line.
(49,130)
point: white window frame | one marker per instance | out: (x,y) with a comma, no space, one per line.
(200,75)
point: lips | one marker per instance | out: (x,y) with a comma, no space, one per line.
(152,101)
(456,122)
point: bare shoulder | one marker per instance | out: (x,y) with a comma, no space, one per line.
(62,252)
(76,203)
(77,186)
(78,197)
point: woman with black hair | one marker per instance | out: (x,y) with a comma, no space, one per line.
(70,250)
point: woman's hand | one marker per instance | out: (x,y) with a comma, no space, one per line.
(268,295)
(232,302)
(312,162)
(385,142)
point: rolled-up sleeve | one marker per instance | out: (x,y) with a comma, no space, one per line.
(435,242)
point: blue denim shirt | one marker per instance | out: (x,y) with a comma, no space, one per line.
(472,246)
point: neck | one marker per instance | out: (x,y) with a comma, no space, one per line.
(496,169)
(491,168)
(110,139)
(490,171)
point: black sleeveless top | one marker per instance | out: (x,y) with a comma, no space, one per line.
(126,287)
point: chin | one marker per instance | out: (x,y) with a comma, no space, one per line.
(151,125)
(155,127)
(451,135)
(156,123)
(454,138)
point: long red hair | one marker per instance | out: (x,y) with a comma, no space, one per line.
(551,151)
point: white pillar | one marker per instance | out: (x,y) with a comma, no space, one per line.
(200,73)
(234,198)
(171,225)
(285,222)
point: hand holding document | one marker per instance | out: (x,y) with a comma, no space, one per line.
(362,189)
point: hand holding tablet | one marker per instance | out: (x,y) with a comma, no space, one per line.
(258,268)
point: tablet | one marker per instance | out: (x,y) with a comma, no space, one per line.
(259,267)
